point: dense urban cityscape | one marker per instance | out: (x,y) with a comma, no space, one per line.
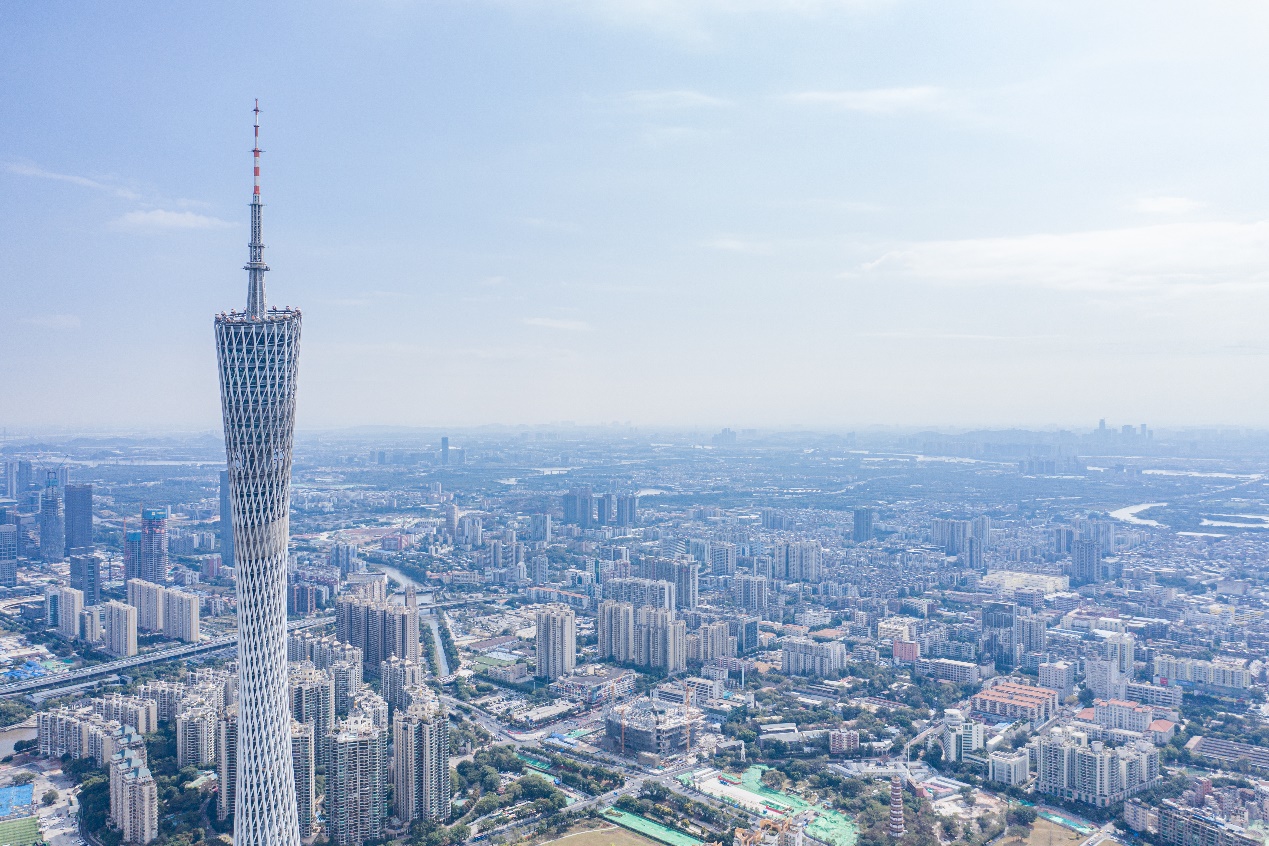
(873,637)
(275,633)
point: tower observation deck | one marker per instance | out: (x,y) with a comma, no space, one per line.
(258,351)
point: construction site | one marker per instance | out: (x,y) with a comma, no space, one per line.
(783,818)
(652,727)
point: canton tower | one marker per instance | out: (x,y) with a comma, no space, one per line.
(258,351)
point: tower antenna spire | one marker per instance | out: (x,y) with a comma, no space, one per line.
(255,266)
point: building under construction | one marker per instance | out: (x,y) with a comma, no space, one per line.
(653,726)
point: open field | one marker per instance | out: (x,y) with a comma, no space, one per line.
(1045,833)
(610,835)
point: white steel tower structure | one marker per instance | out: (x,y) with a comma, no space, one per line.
(258,350)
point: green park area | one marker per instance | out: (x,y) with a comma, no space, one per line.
(832,827)
(648,828)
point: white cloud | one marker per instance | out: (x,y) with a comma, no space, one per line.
(1145,258)
(1167,205)
(556,323)
(877,100)
(677,99)
(53,321)
(38,172)
(164,219)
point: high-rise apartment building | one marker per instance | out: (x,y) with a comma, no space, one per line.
(556,646)
(196,725)
(303,762)
(750,592)
(627,510)
(798,562)
(606,509)
(180,616)
(258,353)
(640,592)
(312,700)
(226,761)
(420,741)
(660,639)
(1086,561)
(121,629)
(579,507)
(1072,768)
(172,612)
(63,606)
(999,640)
(356,783)
(79,519)
(1109,670)
(861,529)
(949,535)
(347,678)
(615,627)
(802,656)
(149,599)
(134,800)
(396,677)
(380,629)
(8,554)
(540,528)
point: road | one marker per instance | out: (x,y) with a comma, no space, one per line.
(158,656)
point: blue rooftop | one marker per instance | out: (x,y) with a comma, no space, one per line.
(16,798)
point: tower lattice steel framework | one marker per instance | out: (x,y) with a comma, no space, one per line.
(258,351)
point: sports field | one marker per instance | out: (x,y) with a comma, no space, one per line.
(609,835)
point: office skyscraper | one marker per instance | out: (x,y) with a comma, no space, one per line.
(85,575)
(258,354)
(154,560)
(52,522)
(79,519)
(226,522)
(131,555)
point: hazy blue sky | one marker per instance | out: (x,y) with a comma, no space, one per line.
(755,212)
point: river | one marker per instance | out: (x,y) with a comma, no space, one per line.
(425,595)
(1129,514)
(12,735)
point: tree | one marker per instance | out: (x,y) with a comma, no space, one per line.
(49,797)
(1021,815)
(773,779)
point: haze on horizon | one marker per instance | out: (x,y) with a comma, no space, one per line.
(764,213)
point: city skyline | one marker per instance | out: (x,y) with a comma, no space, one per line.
(768,214)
